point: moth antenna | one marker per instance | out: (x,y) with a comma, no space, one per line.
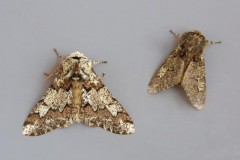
(57,69)
(59,56)
(175,34)
(98,62)
(213,42)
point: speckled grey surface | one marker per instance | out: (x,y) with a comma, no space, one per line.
(133,36)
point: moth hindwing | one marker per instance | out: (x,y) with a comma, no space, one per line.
(185,66)
(77,94)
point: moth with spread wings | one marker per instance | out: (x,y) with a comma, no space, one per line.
(186,67)
(77,95)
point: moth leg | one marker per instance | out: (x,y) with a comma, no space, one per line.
(175,34)
(103,74)
(54,73)
(212,42)
(98,62)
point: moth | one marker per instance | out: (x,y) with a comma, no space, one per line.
(185,66)
(77,94)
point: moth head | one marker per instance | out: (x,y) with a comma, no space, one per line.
(76,65)
(76,55)
(193,40)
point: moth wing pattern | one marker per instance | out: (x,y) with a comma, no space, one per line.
(51,112)
(77,95)
(103,110)
(168,74)
(194,82)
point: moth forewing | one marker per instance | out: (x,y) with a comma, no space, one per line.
(77,94)
(194,83)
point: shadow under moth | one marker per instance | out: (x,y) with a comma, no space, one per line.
(185,66)
(77,94)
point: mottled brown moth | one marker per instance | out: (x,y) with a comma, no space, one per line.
(185,66)
(77,94)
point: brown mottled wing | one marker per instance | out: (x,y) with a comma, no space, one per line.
(51,112)
(168,75)
(194,82)
(103,110)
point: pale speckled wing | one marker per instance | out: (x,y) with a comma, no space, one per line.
(194,82)
(77,95)
(101,109)
(168,75)
(51,112)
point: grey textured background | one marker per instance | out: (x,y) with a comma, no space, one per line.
(133,36)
